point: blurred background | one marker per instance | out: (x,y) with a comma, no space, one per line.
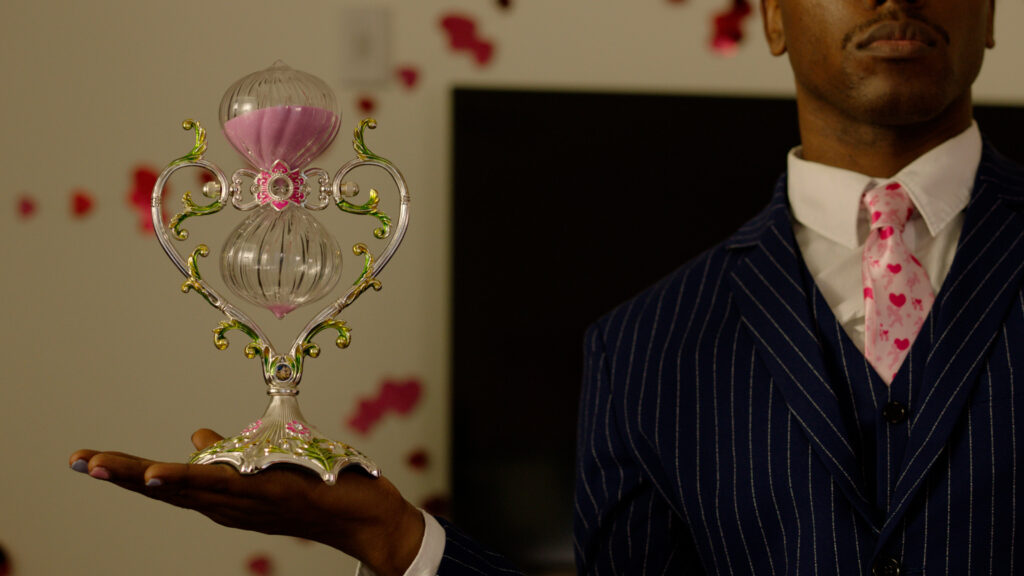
(103,350)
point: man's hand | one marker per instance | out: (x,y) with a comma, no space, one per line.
(362,516)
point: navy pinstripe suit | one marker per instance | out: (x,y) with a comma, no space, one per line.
(729,426)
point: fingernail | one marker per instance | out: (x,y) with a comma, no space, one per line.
(100,472)
(154,482)
(80,465)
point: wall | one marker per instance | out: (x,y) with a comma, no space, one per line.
(103,351)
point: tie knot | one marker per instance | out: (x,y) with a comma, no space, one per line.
(888,205)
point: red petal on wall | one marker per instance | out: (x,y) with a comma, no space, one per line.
(140,195)
(462,36)
(81,203)
(398,397)
(401,397)
(6,568)
(366,416)
(366,104)
(483,52)
(728,28)
(202,176)
(409,76)
(419,459)
(260,564)
(26,209)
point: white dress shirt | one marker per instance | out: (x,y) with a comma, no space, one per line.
(831,228)
(831,224)
(428,558)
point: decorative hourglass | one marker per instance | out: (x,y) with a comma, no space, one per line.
(281,257)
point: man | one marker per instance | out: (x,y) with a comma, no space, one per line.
(830,390)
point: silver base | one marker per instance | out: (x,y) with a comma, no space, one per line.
(282,436)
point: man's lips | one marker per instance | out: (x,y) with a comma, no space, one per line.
(903,38)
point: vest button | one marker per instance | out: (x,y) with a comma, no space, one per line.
(887,567)
(894,413)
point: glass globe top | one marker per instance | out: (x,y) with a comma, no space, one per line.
(280,114)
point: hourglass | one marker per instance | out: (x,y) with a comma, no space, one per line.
(281,257)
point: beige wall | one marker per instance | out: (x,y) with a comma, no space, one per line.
(103,351)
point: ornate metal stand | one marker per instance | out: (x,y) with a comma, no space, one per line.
(282,434)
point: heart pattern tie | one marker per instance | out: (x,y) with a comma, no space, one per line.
(897,292)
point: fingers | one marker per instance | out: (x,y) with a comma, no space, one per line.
(216,478)
(79,460)
(88,460)
(128,466)
(204,438)
(119,467)
(281,500)
(124,470)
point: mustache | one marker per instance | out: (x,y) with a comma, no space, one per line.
(894,16)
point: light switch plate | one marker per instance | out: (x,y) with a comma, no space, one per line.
(365,46)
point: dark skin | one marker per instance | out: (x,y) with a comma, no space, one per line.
(362,516)
(878,83)
(873,104)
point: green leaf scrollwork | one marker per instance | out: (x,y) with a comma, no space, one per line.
(252,349)
(370,208)
(195,281)
(191,208)
(200,146)
(308,348)
(365,280)
(359,141)
(361,249)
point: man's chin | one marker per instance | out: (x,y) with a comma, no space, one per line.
(902,106)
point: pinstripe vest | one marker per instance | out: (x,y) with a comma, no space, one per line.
(878,437)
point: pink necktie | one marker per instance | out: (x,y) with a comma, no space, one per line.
(897,292)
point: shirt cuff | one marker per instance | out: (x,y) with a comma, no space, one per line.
(431,552)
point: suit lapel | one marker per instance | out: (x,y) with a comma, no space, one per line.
(969,312)
(768,288)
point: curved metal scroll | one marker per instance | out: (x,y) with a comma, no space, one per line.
(374,264)
(281,371)
(190,268)
(282,435)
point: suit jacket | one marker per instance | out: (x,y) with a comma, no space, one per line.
(717,434)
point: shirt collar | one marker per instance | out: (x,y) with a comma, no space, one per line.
(827,199)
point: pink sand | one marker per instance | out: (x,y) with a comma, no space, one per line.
(294,135)
(280,310)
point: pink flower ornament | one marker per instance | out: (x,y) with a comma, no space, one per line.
(252,428)
(280,186)
(297,428)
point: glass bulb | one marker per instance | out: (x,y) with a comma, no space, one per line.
(280,114)
(281,259)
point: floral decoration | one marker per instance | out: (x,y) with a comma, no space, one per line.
(263,181)
(297,428)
